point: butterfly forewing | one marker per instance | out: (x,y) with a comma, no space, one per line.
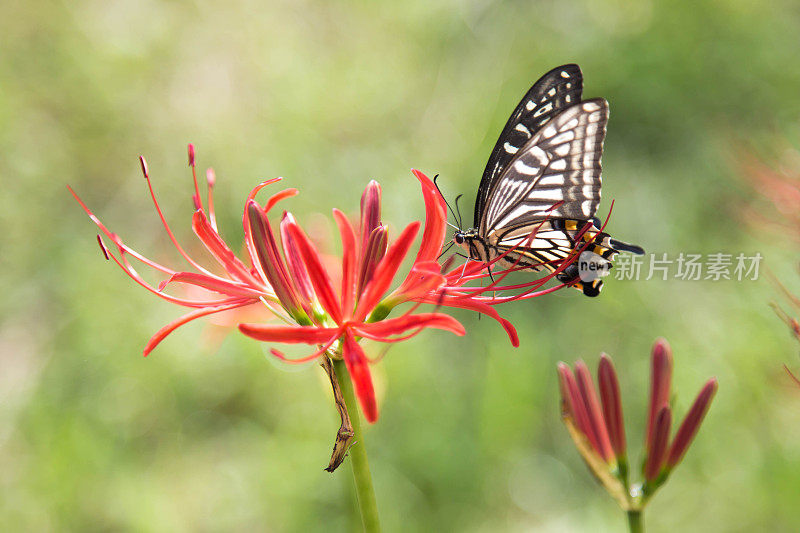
(554,91)
(560,163)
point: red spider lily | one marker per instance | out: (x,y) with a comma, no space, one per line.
(290,279)
(285,272)
(335,320)
(599,434)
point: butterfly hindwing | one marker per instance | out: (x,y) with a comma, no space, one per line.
(554,91)
(549,245)
(560,165)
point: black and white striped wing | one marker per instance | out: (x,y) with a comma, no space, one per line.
(554,91)
(560,163)
(550,244)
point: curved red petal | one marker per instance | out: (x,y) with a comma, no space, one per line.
(435,220)
(316,272)
(212,284)
(294,263)
(277,197)
(220,250)
(289,334)
(358,368)
(401,324)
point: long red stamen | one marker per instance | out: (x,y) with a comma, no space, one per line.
(164,220)
(126,267)
(197,199)
(115,238)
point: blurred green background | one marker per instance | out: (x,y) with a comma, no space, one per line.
(209,433)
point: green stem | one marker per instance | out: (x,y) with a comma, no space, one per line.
(358,455)
(635,523)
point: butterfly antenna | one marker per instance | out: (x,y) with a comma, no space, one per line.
(447,203)
(460,223)
(446,249)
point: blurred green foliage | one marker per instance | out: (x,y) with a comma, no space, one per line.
(203,436)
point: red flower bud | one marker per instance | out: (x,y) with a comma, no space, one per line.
(657,450)
(691,424)
(595,416)
(370,211)
(612,404)
(660,381)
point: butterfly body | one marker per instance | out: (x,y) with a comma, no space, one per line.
(540,190)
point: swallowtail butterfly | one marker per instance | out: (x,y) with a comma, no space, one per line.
(543,176)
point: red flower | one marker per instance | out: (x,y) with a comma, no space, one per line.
(599,433)
(285,273)
(334,320)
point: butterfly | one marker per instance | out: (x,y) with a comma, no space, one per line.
(539,193)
